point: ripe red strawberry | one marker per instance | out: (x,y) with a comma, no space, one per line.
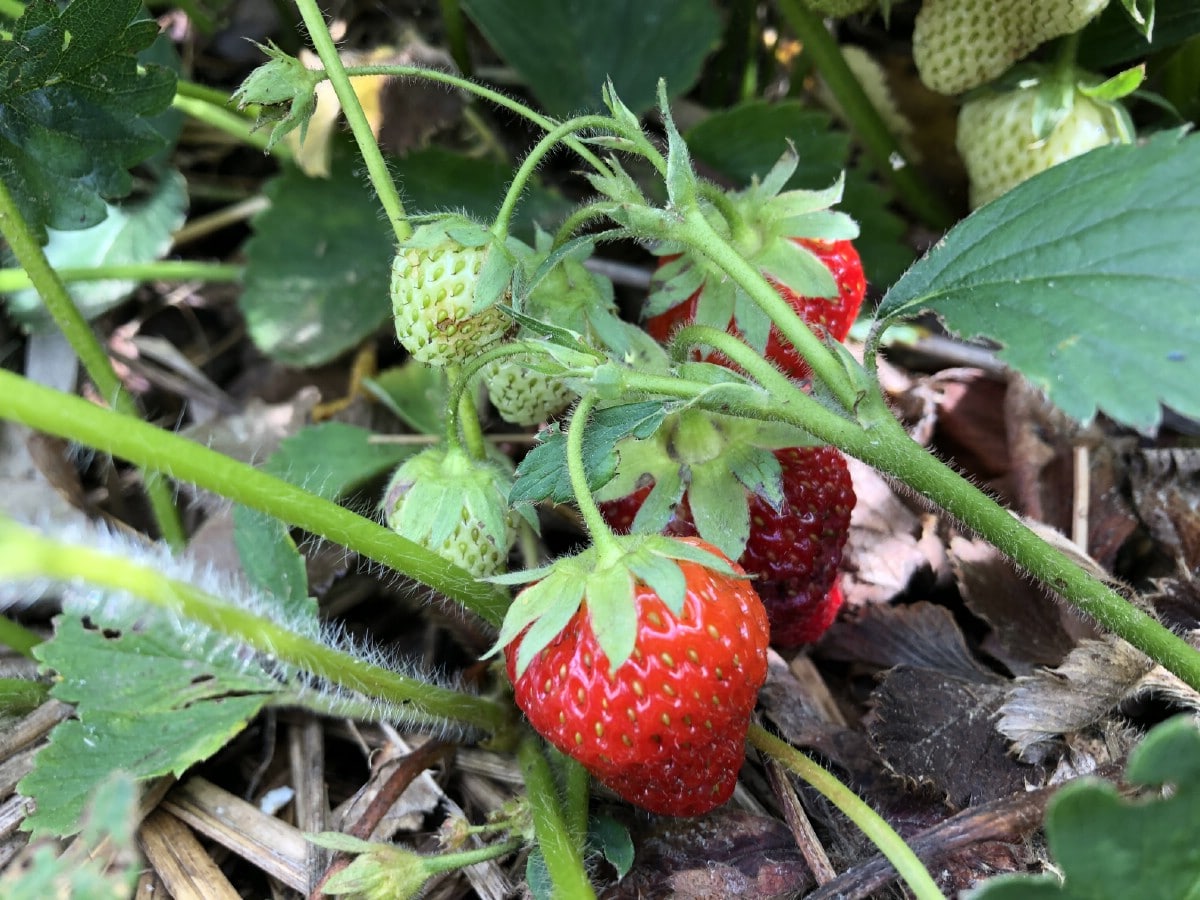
(834,315)
(793,551)
(666,728)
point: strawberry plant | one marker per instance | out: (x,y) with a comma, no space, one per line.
(651,401)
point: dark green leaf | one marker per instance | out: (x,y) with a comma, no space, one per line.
(74,108)
(334,459)
(612,839)
(1114,38)
(1110,848)
(318,266)
(566,49)
(415,393)
(272,563)
(146,704)
(1087,276)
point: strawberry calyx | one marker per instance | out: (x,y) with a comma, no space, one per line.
(608,575)
(454,505)
(767,226)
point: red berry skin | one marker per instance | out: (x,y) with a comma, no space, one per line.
(793,553)
(834,315)
(667,729)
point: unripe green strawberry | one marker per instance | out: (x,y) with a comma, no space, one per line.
(961,44)
(455,506)
(442,316)
(1001,148)
(524,396)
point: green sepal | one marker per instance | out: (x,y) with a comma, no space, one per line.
(618,186)
(797,268)
(655,512)
(681,179)
(1119,86)
(282,79)
(614,104)
(612,610)
(664,577)
(752,321)
(495,277)
(758,471)
(720,508)
(1143,21)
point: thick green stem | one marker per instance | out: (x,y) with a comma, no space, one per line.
(17,637)
(865,120)
(597,528)
(485,93)
(883,443)
(164,270)
(695,231)
(78,333)
(26,554)
(890,844)
(578,790)
(75,419)
(231,123)
(563,860)
(381,178)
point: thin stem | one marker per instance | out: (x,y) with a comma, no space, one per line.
(597,528)
(129,438)
(898,853)
(29,555)
(581,216)
(17,637)
(381,178)
(563,860)
(451,862)
(78,333)
(499,99)
(534,158)
(231,123)
(467,420)
(163,270)
(884,444)
(695,231)
(876,137)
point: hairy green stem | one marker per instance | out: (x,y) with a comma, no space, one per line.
(563,859)
(163,270)
(377,170)
(864,118)
(452,862)
(485,93)
(25,554)
(890,844)
(534,158)
(578,794)
(83,341)
(231,123)
(695,231)
(17,637)
(597,529)
(882,442)
(75,419)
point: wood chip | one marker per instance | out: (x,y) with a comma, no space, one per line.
(179,860)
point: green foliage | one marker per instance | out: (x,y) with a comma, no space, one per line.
(138,230)
(100,866)
(1086,276)
(146,703)
(565,49)
(1111,848)
(317,267)
(74,104)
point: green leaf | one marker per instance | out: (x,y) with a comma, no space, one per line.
(1114,38)
(272,563)
(543,474)
(111,820)
(334,459)
(1087,277)
(317,267)
(415,393)
(564,50)
(136,231)
(74,104)
(147,703)
(612,839)
(1111,848)
(720,508)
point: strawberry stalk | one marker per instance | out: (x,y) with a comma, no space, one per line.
(17,637)
(597,528)
(564,858)
(377,169)
(157,450)
(30,555)
(869,822)
(83,341)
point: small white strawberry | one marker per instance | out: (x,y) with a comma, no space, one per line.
(524,396)
(448,280)
(1005,137)
(455,506)
(961,44)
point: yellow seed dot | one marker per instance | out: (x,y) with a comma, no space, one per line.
(668,690)
(626,740)
(666,719)
(562,671)
(578,738)
(599,730)
(667,659)
(693,656)
(562,718)
(548,686)
(716,700)
(720,673)
(737,661)
(631,713)
(708,724)
(713,632)
(581,696)
(587,660)
(654,619)
(639,689)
